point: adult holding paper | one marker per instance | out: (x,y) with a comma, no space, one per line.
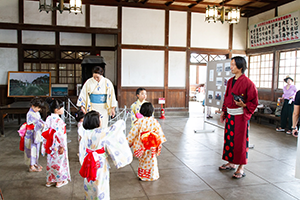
(98,94)
(236,112)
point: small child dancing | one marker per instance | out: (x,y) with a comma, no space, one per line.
(146,138)
(55,145)
(141,95)
(31,132)
(96,144)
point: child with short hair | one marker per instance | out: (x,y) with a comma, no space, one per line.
(146,138)
(79,116)
(96,142)
(55,145)
(141,95)
(30,133)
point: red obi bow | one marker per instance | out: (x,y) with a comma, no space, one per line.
(22,132)
(150,139)
(91,164)
(48,135)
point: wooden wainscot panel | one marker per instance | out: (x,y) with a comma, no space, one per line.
(265,94)
(128,96)
(176,98)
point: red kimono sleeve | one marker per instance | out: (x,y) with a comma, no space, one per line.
(252,99)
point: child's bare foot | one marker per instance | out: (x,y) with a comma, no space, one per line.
(32,168)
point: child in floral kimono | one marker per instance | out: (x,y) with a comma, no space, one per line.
(55,145)
(146,138)
(141,95)
(79,116)
(96,144)
(30,133)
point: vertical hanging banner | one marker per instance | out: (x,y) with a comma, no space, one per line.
(279,30)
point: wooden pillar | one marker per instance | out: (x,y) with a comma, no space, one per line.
(19,35)
(119,56)
(230,41)
(188,55)
(166,66)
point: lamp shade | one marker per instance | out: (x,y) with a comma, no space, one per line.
(234,16)
(211,14)
(75,6)
(46,5)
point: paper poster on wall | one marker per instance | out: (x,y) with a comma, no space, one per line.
(218,95)
(219,67)
(210,94)
(219,81)
(211,75)
(226,79)
(227,68)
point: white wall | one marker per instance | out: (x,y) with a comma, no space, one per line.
(177,28)
(240,35)
(32,15)
(104,40)
(9,10)
(76,39)
(9,62)
(8,36)
(104,16)
(262,17)
(289,7)
(38,37)
(71,19)
(143,26)
(142,68)
(110,68)
(208,35)
(177,69)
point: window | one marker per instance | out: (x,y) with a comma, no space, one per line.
(289,65)
(42,67)
(260,72)
(204,58)
(70,74)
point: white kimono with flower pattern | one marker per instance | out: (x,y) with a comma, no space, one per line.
(115,145)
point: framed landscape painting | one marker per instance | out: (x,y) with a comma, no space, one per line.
(29,84)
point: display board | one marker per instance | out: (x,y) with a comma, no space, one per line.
(28,84)
(279,30)
(218,74)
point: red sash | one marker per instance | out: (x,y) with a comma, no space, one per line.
(48,135)
(150,139)
(28,127)
(90,166)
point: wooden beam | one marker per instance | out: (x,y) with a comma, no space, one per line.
(21,12)
(230,40)
(87,15)
(119,55)
(188,54)
(268,7)
(36,27)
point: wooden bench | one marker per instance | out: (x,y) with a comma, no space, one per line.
(272,118)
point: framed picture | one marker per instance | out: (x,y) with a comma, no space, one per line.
(59,90)
(28,84)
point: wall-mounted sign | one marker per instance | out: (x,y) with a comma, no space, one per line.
(279,30)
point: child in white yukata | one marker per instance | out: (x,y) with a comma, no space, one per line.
(146,138)
(96,144)
(55,145)
(30,133)
(141,95)
(79,115)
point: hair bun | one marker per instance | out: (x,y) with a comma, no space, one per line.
(49,100)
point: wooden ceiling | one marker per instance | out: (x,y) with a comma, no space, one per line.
(248,7)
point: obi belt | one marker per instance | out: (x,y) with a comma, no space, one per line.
(91,164)
(98,98)
(22,132)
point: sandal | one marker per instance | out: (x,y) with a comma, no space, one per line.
(226,167)
(238,175)
(280,129)
(34,169)
(289,132)
(50,184)
(60,184)
(38,166)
